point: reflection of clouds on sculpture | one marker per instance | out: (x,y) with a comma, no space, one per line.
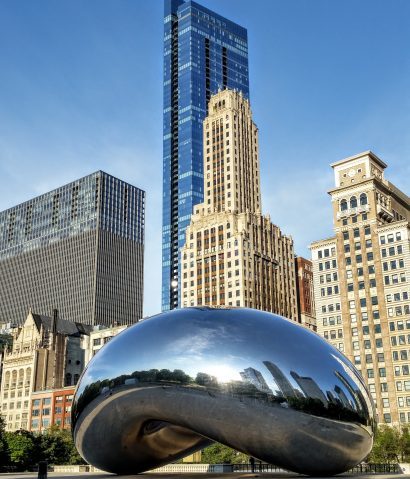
(195,346)
(249,379)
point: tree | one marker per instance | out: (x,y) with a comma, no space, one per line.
(405,444)
(4,454)
(22,449)
(219,454)
(386,447)
(53,447)
(57,447)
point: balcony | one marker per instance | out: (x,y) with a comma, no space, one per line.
(384,214)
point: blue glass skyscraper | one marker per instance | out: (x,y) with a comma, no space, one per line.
(203,53)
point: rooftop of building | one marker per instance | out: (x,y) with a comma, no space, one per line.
(172,6)
(61,326)
(321,242)
(69,185)
(369,153)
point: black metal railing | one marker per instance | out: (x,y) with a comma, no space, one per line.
(363,468)
(257,467)
(375,468)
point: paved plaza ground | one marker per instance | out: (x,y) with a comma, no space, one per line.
(244,475)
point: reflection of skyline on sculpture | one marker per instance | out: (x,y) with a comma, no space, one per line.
(231,373)
(309,397)
(196,353)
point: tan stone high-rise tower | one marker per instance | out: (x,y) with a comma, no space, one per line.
(233,255)
(361,281)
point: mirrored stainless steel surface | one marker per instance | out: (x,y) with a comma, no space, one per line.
(252,380)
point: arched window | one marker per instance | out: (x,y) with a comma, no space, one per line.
(7,380)
(68,379)
(363,199)
(13,379)
(28,376)
(21,378)
(343,205)
(353,202)
(76,378)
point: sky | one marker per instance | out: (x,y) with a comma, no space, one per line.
(81,90)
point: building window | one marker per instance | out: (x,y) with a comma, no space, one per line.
(363,199)
(387,418)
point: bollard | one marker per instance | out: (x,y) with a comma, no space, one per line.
(42,470)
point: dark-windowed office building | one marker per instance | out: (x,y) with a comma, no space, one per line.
(79,249)
(203,53)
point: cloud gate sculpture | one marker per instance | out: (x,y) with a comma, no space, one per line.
(259,383)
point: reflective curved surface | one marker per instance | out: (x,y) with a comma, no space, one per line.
(252,380)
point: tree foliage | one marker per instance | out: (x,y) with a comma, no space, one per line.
(392,444)
(22,450)
(219,454)
(4,455)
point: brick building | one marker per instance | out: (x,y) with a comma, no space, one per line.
(305,292)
